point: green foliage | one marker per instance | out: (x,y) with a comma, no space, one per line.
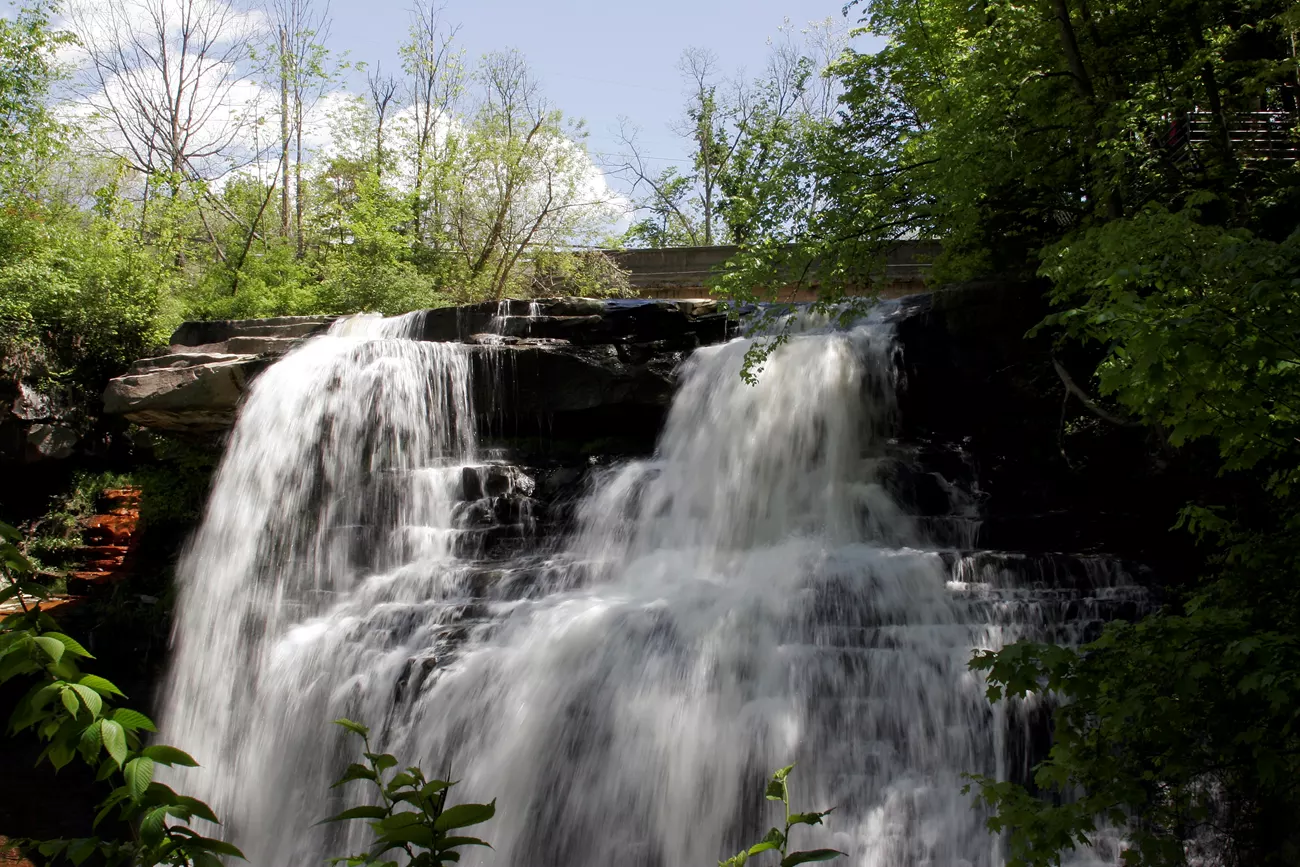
(777,840)
(57,532)
(1202,329)
(29,134)
(73,713)
(175,484)
(412,815)
(81,297)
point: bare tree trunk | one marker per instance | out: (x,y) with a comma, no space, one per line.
(284,131)
(383,96)
(297,185)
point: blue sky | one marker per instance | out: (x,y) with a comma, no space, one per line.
(595,60)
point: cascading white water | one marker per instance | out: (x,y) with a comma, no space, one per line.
(750,597)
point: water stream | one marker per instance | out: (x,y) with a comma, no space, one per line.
(752,595)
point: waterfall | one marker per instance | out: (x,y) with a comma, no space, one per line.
(752,595)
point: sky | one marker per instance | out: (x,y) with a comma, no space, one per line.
(595,60)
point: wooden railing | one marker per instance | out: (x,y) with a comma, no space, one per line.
(1254,135)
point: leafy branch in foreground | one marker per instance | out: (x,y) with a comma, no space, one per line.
(73,714)
(777,839)
(412,815)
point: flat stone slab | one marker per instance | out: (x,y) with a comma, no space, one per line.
(197,397)
(213,331)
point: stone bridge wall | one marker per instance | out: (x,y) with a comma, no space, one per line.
(681,272)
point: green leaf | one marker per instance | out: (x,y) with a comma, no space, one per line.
(153,826)
(15,560)
(70,644)
(132,720)
(452,842)
(8,532)
(775,790)
(354,727)
(139,774)
(50,646)
(91,741)
(365,812)
(382,761)
(69,699)
(355,772)
(50,848)
(90,698)
(400,780)
(221,847)
(168,755)
(114,740)
(101,685)
(809,855)
(807,818)
(197,808)
(82,849)
(464,815)
(398,820)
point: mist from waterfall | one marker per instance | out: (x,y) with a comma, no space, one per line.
(750,596)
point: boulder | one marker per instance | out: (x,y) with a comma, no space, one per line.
(197,397)
(56,441)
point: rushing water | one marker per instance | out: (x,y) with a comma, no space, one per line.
(749,597)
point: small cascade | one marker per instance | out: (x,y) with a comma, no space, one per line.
(781,581)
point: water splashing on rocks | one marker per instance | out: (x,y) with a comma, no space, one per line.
(755,593)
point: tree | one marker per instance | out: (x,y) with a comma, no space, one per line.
(165,77)
(383,92)
(303,73)
(522,182)
(684,207)
(706,129)
(30,137)
(747,139)
(436,82)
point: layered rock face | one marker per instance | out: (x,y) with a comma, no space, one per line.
(198,383)
(567,365)
(564,381)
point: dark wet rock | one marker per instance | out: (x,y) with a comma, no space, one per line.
(212,331)
(984,406)
(569,368)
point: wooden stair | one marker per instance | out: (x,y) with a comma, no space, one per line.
(108,537)
(103,561)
